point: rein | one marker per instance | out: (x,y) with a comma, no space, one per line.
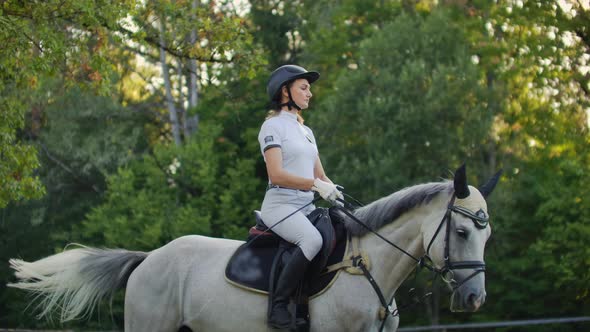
(446,272)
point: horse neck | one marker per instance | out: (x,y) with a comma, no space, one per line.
(390,266)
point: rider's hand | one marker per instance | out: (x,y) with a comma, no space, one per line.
(328,191)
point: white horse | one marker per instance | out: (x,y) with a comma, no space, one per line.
(182,285)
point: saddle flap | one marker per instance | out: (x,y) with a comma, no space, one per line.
(250,267)
(320,218)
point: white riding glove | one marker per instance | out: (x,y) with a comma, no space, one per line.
(328,191)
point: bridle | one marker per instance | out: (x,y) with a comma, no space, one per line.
(479,218)
(446,272)
(480,221)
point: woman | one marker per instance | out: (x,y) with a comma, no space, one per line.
(294,170)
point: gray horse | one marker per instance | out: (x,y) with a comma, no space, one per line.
(182,285)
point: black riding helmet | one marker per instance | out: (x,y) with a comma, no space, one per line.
(284,75)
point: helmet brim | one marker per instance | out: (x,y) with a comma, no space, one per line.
(310,76)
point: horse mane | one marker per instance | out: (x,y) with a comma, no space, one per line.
(387,209)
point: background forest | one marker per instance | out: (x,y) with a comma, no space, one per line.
(131,123)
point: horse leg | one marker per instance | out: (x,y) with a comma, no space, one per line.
(392,322)
(150,303)
(143,313)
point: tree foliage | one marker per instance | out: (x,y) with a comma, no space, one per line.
(409,90)
(536,52)
(171,191)
(415,92)
(74,39)
(81,138)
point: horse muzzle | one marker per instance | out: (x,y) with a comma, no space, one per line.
(467,299)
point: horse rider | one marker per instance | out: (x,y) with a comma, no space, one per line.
(294,171)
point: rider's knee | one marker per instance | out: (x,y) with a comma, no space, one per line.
(314,242)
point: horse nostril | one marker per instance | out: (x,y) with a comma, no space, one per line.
(475,301)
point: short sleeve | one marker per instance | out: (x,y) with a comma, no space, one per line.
(269,136)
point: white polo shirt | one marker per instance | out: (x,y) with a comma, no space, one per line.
(296,141)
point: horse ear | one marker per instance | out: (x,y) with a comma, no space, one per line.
(460,182)
(487,188)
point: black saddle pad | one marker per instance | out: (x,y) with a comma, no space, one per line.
(250,266)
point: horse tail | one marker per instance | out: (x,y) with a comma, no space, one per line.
(76,280)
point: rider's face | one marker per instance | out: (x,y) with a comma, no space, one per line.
(300,91)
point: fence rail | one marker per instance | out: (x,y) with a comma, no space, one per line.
(21,330)
(17,330)
(525,322)
(496,324)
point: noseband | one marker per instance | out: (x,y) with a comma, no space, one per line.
(447,271)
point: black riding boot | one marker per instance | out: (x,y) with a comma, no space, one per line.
(290,277)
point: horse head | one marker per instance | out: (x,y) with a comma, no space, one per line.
(456,244)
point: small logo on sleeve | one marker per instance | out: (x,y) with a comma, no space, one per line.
(268,139)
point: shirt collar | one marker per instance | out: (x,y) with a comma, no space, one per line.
(288,115)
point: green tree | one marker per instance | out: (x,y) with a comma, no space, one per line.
(537,53)
(37,38)
(333,32)
(83,138)
(73,38)
(416,92)
(198,188)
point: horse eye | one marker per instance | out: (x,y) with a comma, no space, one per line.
(462,233)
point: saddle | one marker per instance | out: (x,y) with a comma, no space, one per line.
(256,264)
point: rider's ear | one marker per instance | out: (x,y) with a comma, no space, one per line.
(460,182)
(487,188)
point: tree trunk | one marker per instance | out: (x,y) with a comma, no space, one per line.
(36,109)
(193,93)
(181,108)
(169,100)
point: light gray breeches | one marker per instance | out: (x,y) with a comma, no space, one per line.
(297,229)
